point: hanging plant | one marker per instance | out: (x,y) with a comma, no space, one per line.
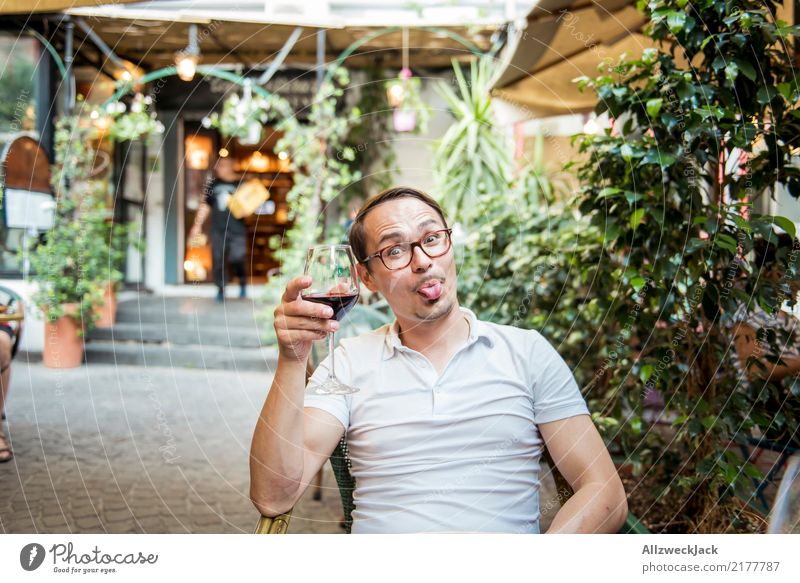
(128,124)
(411,113)
(321,164)
(243,117)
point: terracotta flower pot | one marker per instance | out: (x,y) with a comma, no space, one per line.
(108,311)
(63,347)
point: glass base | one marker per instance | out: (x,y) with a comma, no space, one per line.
(334,387)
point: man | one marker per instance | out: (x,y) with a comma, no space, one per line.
(453,413)
(228,234)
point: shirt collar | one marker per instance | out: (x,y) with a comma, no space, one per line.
(477,330)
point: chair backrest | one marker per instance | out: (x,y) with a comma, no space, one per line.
(340,462)
(12,315)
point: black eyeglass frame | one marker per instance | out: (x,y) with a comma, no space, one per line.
(417,243)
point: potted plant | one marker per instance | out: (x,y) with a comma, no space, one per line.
(67,265)
(242,117)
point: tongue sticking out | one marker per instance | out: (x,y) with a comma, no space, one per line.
(431,292)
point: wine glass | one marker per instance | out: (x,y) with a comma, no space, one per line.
(334,283)
(785,515)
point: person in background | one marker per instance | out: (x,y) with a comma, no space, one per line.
(6,344)
(228,234)
(754,358)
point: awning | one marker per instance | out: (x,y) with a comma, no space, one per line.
(565,39)
(251,33)
(31,6)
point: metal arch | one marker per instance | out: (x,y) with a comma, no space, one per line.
(52,50)
(204,70)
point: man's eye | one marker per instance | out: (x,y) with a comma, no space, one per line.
(394,252)
(432,238)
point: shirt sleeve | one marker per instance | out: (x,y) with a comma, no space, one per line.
(336,405)
(555,393)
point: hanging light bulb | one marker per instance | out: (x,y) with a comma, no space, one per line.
(186,60)
(396,90)
(404,120)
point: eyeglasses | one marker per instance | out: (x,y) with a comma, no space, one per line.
(399,255)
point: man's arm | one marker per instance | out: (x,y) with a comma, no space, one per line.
(746,346)
(199,219)
(599,504)
(290,444)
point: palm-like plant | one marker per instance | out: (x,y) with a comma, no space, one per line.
(473,158)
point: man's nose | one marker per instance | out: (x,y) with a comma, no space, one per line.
(420,263)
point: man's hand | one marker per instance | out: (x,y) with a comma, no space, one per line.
(298,322)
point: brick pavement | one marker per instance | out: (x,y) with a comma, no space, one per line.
(130,449)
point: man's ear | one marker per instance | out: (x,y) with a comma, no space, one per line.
(366,277)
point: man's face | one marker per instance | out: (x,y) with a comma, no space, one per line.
(425,290)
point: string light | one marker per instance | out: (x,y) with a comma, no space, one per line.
(187,59)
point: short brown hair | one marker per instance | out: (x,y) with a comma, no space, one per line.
(358,236)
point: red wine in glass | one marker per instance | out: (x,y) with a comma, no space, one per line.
(339,303)
(334,283)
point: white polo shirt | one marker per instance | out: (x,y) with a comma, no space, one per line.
(456,452)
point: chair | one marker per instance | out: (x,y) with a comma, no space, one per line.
(12,316)
(761,444)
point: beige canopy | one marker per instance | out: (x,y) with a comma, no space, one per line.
(565,39)
(30,6)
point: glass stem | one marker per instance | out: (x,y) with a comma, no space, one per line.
(332,374)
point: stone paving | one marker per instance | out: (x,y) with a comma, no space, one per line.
(126,449)
(130,449)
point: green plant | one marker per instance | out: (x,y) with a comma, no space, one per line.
(244,117)
(135,122)
(322,172)
(80,253)
(473,159)
(670,264)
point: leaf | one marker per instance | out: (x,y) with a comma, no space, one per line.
(746,69)
(695,244)
(626,151)
(675,21)
(742,223)
(633,197)
(726,242)
(646,372)
(786,225)
(608,191)
(637,217)
(731,71)
(654,106)
(765,94)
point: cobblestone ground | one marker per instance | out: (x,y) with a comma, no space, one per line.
(129,450)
